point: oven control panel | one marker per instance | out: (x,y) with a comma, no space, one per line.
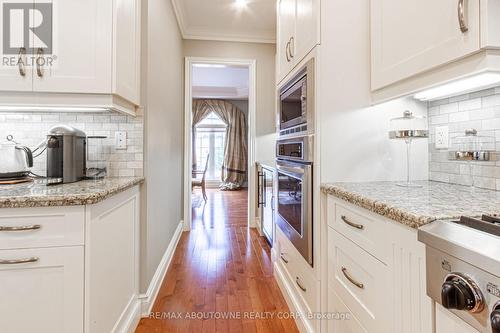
(469,292)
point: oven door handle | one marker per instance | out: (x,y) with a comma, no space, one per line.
(294,172)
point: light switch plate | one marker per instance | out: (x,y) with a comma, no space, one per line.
(121,140)
(442,137)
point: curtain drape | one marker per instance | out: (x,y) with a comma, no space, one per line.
(234,166)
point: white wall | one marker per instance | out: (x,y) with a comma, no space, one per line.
(266,90)
(162,96)
(354,139)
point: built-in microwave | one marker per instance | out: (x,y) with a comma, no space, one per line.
(296,103)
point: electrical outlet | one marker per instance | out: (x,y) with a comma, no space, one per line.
(121,140)
(442,137)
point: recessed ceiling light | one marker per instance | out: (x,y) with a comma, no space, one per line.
(240,3)
(463,86)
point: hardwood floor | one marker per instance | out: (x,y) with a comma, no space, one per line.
(221,276)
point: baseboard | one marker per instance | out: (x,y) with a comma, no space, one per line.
(148,299)
(291,300)
(130,317)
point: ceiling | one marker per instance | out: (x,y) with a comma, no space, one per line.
(225,82)
(224,20)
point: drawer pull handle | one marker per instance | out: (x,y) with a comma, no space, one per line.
(19,261)
(23,228)
(282,256)
(462,20)
(297,281)
(354,225)
(351,279)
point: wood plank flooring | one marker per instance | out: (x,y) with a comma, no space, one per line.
(221,276)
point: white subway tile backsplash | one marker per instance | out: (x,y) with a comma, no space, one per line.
(31,128)
(493,100)
(448,108)
(471,104)
(437,120)
(479,110)
(458,117)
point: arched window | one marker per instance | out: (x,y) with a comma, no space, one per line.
(210,139)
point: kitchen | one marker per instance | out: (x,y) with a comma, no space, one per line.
(373,175)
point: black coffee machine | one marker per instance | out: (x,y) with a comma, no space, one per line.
(66,155)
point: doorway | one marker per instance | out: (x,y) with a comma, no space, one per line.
(219,142)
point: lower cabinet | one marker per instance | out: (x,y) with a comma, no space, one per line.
(375,271)
(342,320)
(80,273)
(44,295)
(297,280)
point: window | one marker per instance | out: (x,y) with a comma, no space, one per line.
(210,139)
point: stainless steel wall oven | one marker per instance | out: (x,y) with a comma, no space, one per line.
(295,192)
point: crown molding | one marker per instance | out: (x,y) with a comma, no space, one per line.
(179,14)
(219,36)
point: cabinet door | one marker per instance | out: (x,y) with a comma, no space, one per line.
(342,320)
(42,296)
(82,48)
(286,33)
(127,49)
(410,37)
(15,74)
(307,31)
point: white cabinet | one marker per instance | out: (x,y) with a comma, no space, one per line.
(410,37)
(286,31)
(417,45)
(95,53)
(45,295)
(376,268)
(82,45)
(77,271)
(298,32)
(112,267)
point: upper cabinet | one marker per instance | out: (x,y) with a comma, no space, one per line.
(92,50)
(411,41)
(298,32)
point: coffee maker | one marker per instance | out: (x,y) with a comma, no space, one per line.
(66,155)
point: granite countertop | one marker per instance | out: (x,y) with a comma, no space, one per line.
(85,192)
(415,207)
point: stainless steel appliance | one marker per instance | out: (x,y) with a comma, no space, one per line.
(266,199)
(463,269)
(15,159)
(66,155)
(295,192)
(296,103)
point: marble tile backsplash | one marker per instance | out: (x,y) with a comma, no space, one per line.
(479,110)
(30,128)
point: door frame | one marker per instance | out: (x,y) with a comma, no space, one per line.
(188,105)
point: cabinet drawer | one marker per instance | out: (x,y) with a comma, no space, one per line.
(365,231)
(45,295)
(298,272)
(360,280)
(41,227)
(344,321)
